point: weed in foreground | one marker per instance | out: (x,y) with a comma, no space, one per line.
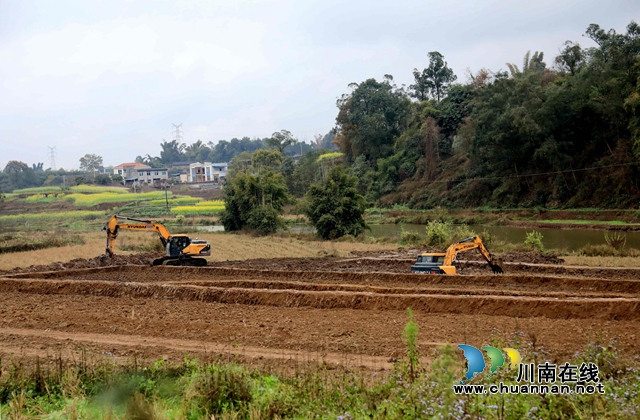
(223,389)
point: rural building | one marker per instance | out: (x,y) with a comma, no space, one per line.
(129,171)
(207,172)
(153,175)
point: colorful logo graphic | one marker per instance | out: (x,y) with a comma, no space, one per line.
(476,363)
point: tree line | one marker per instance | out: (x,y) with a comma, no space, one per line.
(225,150)
(561,135)
(564,135)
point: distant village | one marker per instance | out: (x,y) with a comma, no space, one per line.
(180,172)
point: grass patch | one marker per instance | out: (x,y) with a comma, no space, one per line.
(21,242)
(227,390)
(89,200)
(175,201)
(85,189)
(39,217)
(608,251)
(44,198)
(588,222)
(602,261)
(203,208)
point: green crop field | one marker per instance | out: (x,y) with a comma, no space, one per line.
(203,208)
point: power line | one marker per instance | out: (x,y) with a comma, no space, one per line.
(51,154)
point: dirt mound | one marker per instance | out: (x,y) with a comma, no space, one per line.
(355,265)
(511,306)
(189,275)
(511,256)
(99,261)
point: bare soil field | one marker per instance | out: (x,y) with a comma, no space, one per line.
(336,310)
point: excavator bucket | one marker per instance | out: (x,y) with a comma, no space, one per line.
(495,266)
(497,269)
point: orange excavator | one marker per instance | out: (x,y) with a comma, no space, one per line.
(181,250)
(443,262)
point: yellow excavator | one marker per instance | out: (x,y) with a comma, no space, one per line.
(442,262)
(180,249)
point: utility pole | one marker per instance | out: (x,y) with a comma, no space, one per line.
(51,154)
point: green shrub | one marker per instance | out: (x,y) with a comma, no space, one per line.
(219,389)
(616,240)
(438,233)
(443,234)
(102,179)
(534,240)
(600,251)
(335,208)
(264,219)
(409,236)
(180,219)
(247,199)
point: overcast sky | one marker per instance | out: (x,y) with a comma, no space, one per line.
(111,76)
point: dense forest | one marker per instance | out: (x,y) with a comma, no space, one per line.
(565,134)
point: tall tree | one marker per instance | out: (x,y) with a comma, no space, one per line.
(197,151)
(370,118)
(254,201)
(172,151)
(336,208)
(529,64)
(264,160)
(225,151)
(90,163)
(18,175)
(571,57)
(281,139)
(434,80)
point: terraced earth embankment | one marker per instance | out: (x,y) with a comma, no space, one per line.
(353,314)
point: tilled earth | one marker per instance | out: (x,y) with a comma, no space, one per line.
(338,310)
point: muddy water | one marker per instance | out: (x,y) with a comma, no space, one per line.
(568,239)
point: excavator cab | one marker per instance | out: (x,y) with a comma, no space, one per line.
(176,245)
(429,263)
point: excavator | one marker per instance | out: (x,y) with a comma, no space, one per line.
(181,250)
(443,262)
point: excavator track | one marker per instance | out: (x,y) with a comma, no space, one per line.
(173,261)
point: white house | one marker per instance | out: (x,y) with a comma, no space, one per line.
(153,175)
(129,171)
(207,172)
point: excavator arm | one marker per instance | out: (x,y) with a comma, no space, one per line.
(114,225)
(473,242)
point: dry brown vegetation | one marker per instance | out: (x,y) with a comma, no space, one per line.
(224,247)
(602,261)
